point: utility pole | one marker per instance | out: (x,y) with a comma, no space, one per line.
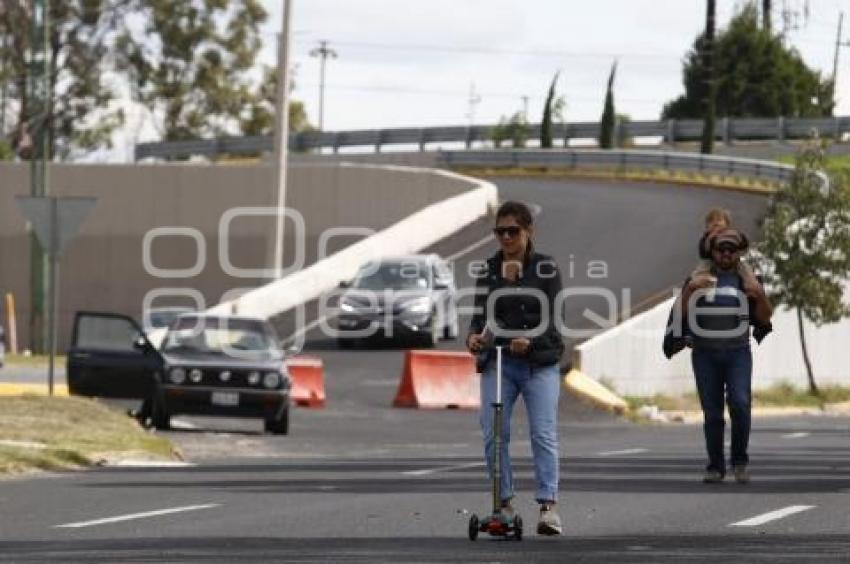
(766,9)
(707,145)
(473,101)
(281,134)
(838,45)
(323,52)
(38,121)
(525,108)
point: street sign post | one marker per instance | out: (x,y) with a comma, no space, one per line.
(55,222)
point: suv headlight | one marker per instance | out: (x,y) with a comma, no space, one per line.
(254,377)
(271,380)
(195,375)
(177,375)
(346,307)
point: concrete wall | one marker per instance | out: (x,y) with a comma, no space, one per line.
(629,358)
(103,268)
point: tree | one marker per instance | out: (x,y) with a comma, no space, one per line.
(260,121)
(79,53)
(756,76)
(609,114)
(193,66)
(806,247)
(707,144)
(514,129)
(546,122)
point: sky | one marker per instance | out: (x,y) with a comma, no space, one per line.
(411,63)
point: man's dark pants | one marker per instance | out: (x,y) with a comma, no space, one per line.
(717,371)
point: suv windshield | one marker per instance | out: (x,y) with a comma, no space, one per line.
(214,335)
(394,276)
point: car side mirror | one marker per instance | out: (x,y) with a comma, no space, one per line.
(142,345)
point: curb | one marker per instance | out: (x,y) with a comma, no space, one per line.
(587,389)
(842,409)
(21,389)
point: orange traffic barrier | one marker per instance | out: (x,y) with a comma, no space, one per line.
(438,380)
(308,381)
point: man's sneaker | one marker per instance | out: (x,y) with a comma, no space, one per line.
(550,522)
(712,477)
(742,475)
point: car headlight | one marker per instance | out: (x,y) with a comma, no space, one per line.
(417,306)
(254,378)
(195,375)
(177,376)
(346,307)
(271,380)
(225,376)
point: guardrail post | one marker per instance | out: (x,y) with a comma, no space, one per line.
(836,127)
(780,129)
(336,144)
(671,132)
(727,133)
(566,135)
(378,142)
(422,140)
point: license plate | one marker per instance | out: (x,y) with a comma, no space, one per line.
(225,398)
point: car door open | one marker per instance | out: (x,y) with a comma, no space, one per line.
(110,356)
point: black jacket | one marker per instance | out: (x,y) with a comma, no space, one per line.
(521,311)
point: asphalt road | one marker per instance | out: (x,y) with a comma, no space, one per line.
(360,481)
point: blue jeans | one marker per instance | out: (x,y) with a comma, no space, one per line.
(730,371)
(539,387)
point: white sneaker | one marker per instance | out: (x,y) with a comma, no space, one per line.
(549,523)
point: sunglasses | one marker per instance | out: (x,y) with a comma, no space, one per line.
(512,231)
(726,249)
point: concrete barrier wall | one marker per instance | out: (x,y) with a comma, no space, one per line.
(103,268)
(628,357)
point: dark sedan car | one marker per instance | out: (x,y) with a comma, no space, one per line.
(206,365)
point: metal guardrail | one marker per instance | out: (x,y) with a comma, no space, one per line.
(620,159)
(671,131)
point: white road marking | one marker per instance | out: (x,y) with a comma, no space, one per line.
(130,463)
(472,247)
(772,516)
(442,469)
(625,451)
(799,435)
(182,425)
(134,516)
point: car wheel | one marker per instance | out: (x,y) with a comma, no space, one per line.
(278,425)
(160,417)
(432,337)
(452,329)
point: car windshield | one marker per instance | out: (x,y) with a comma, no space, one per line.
(163,317)
(219,336)
(393,276)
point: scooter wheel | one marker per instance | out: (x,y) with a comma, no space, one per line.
(474,525)
(518,528)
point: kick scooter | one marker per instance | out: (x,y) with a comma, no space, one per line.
(497,524)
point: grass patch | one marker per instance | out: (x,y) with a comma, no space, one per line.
(33,360)
(674,177)
(57,433)
(786,395)
(837,164)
